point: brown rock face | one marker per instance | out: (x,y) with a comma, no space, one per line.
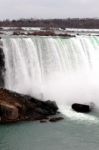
(8,112)
(17,107)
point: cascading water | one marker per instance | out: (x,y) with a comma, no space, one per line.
(62,69)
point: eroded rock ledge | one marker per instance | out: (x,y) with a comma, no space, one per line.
(15,107)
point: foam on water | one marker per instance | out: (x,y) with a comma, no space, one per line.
(69,113)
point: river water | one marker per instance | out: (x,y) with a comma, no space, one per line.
(62,69)
(65,135)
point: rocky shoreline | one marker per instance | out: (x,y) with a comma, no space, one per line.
(16,107)
(42,33)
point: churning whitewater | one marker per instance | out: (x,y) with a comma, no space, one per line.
(62,69)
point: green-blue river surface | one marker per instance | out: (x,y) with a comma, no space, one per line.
(64,135)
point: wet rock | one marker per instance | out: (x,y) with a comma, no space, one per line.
(52,105)
(8,112)
(42,33)
(2,66)
(55,119)
(16,33)
(81,108)
(67,35)
(43,121)
(18,107)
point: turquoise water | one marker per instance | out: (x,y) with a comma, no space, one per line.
(64,135)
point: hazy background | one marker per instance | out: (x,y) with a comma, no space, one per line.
(48,8)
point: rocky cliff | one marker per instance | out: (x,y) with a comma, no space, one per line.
(17,107)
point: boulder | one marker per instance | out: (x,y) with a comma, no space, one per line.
(18,107)
(55,119)
(83,108)
(43,121)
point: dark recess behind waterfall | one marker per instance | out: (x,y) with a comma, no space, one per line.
(2,67)
(56,23)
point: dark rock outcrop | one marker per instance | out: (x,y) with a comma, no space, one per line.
(16,107)
(56,119)
(43,33)
(83,108)
(2,66)
(43,120)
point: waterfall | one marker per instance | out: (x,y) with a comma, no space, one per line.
(56,68)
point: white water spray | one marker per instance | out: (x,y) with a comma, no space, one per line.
(62,69)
